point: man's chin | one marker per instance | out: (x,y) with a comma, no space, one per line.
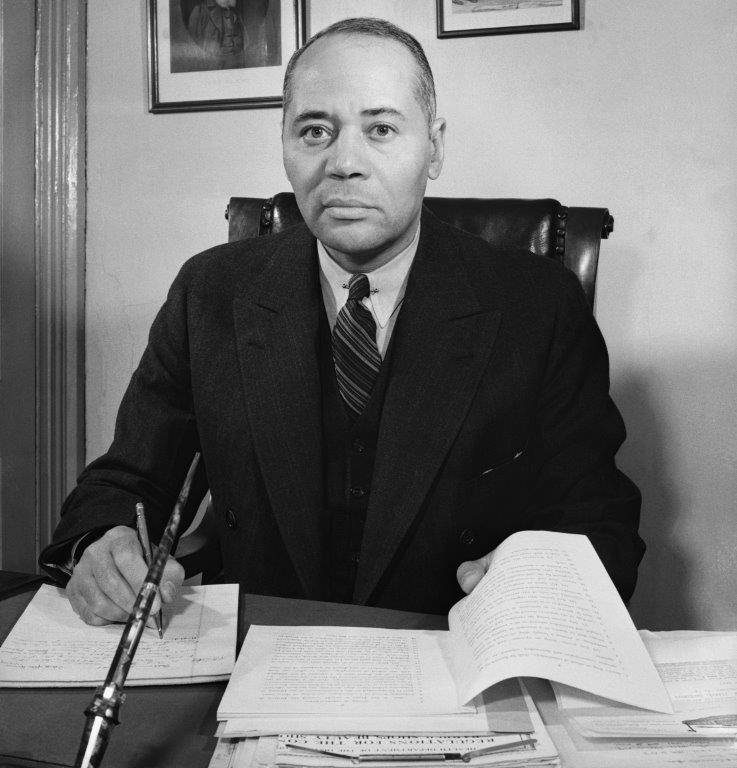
(350,237)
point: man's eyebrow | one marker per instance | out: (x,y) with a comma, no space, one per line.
(377,111)
(312,114)
(320,114)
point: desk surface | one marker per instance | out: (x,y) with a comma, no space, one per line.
(161,726)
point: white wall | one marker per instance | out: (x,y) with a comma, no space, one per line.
(637,111)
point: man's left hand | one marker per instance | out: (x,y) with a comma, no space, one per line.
(470,573)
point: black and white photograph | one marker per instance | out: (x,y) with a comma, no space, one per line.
(224,34)
(220,54)
(460,18)
(368,384)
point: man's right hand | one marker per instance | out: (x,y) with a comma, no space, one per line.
(106,581)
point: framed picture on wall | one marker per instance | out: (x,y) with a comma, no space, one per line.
(220,54)
(463,18)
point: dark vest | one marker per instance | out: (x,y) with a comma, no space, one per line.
(349,450)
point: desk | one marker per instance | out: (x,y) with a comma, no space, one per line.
(161,726)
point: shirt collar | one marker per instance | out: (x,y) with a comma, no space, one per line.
(387,282)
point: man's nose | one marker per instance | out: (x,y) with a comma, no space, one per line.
(347,156)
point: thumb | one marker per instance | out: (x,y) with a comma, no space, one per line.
(470,573)
(171,580)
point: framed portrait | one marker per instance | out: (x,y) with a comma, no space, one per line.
(220,54)
(463,18)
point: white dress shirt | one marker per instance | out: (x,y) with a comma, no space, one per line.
(387,283)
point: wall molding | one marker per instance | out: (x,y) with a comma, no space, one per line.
(60,254)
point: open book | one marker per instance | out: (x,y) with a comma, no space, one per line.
(50,646)
(546,608)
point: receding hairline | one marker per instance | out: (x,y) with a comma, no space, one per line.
(424,87)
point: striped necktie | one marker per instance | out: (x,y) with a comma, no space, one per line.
(355,353)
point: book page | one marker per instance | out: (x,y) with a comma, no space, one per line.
(547,608)
(51,646)
(339,671)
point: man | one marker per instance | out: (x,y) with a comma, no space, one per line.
(217,28)
(379,398)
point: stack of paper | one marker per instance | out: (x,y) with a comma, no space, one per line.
(546,608)
(699,671)
(356,680)
(533,748)
(49,646)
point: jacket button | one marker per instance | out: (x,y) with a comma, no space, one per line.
(467,537)
(231,520)
(359,446)
(358,492)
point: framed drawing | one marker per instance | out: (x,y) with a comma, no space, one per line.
(463,18)
(220,54)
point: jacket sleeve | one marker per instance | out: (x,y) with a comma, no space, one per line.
(154,442)
(576,486)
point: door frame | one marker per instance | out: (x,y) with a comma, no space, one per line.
(61,45)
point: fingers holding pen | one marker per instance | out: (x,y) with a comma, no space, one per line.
(105,582)
(97,590)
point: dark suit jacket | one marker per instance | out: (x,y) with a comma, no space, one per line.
(497,418)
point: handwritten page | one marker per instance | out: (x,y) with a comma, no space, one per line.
(340,671)
(50,646)
(547,608)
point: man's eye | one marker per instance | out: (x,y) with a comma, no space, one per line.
(382,131)
(315,133)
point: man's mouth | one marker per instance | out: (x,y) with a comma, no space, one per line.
(346,207)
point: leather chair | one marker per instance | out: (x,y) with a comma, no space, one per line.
(571,235)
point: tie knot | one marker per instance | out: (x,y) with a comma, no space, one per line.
(358,287)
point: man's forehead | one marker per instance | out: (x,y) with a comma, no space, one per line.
(368,72)
(352,45)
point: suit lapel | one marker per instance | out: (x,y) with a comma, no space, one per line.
(276,328)
(441,346)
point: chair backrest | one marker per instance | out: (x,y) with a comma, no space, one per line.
(569,235)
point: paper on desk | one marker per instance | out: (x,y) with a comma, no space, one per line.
(498,711)
(50,646)
(393,679)
(476,724)
(577,751)
(699,671)
(323,750)
(502,709)
(534,748)
(340,671)
(547,608)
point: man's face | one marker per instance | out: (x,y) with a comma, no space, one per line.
(357,147)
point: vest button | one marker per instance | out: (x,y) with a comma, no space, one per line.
(231,521)
(358,492)
(359,446)
(355,557)
(467,537)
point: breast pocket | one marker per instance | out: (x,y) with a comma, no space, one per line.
(491,504)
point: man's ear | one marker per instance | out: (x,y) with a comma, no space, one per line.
(437,138)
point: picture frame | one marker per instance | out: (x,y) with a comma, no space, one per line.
(220,54)
(466,18)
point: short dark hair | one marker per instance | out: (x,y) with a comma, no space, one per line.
(375,28)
